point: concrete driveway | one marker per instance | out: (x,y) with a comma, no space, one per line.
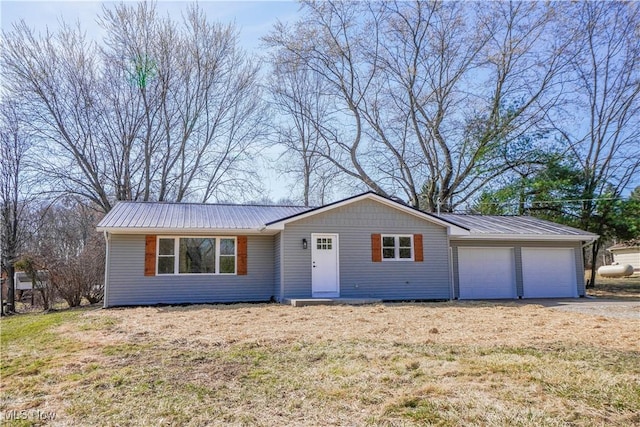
(625,309)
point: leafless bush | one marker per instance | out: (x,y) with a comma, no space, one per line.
(70,250)
(81,276)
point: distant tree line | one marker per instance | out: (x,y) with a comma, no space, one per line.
(488,107)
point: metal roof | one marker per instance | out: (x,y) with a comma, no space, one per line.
(162,217)
(485,225)
(192,216)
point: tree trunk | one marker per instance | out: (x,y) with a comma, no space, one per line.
(11,289)
(595,248)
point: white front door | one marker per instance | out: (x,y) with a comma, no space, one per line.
(324,266)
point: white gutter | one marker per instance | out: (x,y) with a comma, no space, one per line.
(186,231)
(107,238)
(527,237)
(590,242)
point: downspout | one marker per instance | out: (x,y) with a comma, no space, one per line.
(451,278)
(282,264)
(452,286)
(105,299)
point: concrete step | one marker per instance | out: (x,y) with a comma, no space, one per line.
(304,302)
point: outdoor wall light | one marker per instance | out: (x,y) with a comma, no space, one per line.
(304,243)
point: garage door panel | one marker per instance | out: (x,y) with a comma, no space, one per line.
(549,272)
(486,273)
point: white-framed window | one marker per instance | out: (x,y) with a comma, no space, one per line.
(196,255)
(397,247)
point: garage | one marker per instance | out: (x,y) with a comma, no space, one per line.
(486,273)
(549,273)
(502,254)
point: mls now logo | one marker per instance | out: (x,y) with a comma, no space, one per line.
(35,415)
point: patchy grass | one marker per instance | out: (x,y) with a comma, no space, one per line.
(445,364)
(35,340)
(619,288)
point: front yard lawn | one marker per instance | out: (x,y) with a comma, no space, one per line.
(449,364)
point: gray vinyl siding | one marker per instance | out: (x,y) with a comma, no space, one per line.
(359,276)
(277,267)
(517,246)
(129,286)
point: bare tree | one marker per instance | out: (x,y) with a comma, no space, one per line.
(297,94)
(198,98)
(428,98)
(56,76)
(158,110)
(14,197)
(603,132)
(473,83)
(323,44)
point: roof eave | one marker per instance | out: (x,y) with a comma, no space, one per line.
(530,237)
(622,248)
(187,231)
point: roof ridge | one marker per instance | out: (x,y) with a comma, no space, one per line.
(491,215)
(213,204)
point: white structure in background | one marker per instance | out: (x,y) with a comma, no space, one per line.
(627,253)
(23,282)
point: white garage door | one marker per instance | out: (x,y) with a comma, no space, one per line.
(486,273)
(549,272)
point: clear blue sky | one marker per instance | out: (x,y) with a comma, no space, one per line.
(254,19)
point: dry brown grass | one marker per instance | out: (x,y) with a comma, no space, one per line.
(468,323)
(397,364)
(621,288)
